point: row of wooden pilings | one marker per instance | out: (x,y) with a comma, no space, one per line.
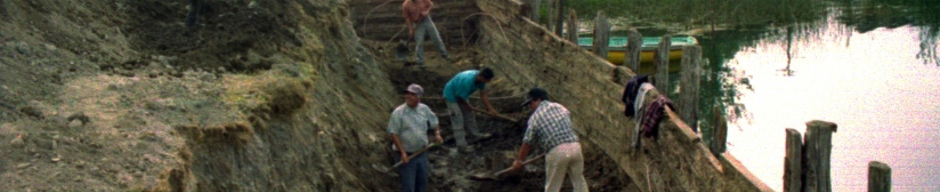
(807,161)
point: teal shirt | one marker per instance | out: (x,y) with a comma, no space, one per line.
(462,85)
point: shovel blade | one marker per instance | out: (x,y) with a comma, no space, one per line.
(380,168)
(401,51)
(483,176)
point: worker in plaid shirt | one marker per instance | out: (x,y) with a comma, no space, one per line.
(550,129)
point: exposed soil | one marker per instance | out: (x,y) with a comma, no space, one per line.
(264,95)
(451,170)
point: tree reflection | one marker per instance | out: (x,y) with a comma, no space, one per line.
(722,84)
(868,15)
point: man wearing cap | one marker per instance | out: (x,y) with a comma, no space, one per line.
(550,129)
(409,125)
(456,93)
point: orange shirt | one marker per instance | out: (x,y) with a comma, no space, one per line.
(416,10)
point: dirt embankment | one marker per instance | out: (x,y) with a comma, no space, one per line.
(264,95)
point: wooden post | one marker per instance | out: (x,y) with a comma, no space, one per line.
(550,14)
(559,10)
(818,145)
(689,84)
(662,65)
(601,35)
(572,26)
(792,162)
(534,8)
(879,177)
(634,46)
(720,133)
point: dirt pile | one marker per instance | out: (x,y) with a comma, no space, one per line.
(262,96)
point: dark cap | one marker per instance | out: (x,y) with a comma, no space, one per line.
(535,93)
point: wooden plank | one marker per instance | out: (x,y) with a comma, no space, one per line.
(879,177)
(560,8)
(816,156)
(661,58)
(534,11)
(601,35)
(792,162)
(633,47)
(689,85)
(810,160)
(825,151)
(572,26)
(720,133)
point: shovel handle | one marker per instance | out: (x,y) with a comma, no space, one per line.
(433,145)
(500,116)
(523,163)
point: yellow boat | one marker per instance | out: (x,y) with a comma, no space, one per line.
(616,50)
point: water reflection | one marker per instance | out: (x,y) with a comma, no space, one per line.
(865,16)
(833,68)
(721,83)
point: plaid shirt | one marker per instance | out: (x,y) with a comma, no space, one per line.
(654,114)
(549,126)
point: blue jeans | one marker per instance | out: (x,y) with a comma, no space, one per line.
(426,27)
(414,175)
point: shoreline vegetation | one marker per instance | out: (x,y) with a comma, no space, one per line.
(696,15)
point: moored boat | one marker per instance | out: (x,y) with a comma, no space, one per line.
(616,50)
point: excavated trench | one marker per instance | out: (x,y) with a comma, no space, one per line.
(451,170)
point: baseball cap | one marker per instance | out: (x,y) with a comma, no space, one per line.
(416,89)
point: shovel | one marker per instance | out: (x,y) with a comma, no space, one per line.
(386,170)
(498,175)
(401,51)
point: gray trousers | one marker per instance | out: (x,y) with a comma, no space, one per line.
(426,26)
(462,120)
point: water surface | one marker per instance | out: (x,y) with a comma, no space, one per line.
(874,74)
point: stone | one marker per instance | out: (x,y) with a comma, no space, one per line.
(74,124)
(32,111)
(50,47)
(18,141)
(22,47)
(23,165)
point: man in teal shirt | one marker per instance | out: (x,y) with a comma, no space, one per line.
(456,93)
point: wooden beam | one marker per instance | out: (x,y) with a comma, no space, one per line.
(633,48)
(662,65)
(601,35)
(792,162)
(879,177)
(572,26)
(689,82)
(816,151)
(559,16)
(719,132)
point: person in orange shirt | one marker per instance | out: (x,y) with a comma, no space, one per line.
(417,15)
